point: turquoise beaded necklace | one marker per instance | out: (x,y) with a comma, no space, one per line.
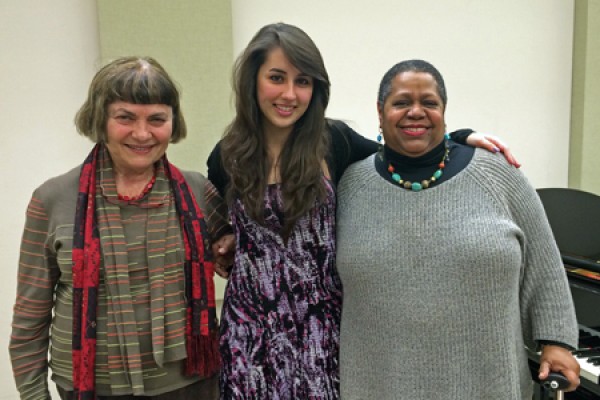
(426,183)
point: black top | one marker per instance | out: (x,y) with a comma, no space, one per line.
(346,147)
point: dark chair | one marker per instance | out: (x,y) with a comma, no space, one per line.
(574,216)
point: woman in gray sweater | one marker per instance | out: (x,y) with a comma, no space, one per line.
(447,261)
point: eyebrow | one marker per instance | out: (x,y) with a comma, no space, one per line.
(302,74)
(121,109)
(422,94)
(158,113)
(277,70)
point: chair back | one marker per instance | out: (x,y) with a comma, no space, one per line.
(574,216)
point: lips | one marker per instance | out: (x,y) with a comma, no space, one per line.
(416,130)
(284,110)
(139,149)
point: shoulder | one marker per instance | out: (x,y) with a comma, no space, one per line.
(361,167)
(59,188)
(57,197)
(203,189)
(503,181)
(195,180)
(199,185)
(215,154)
(493,166)
(214,162)
(357,176)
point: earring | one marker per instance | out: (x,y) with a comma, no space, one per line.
(380,147)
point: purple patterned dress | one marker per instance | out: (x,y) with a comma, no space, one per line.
(281,315)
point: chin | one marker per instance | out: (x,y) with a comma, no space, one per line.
(414,151)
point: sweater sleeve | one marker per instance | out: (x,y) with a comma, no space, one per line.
(37,276)
(216,212)
(547,310)
(547,304)
(461,135)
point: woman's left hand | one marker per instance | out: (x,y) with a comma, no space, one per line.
(224,250)
(493,144)
(558,359)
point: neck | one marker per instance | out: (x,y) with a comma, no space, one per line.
(132,183)
(275,140)
(400,167)
(432,157)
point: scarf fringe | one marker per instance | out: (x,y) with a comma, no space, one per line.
(203,358)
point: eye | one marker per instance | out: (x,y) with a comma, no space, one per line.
(124,118)
(400,103)
(157,121)
(276,78)
(430,103)
(304,81)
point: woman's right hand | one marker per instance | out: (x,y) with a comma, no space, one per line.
(558,359)
(493,144)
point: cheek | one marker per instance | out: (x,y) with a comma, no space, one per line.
(114,132)
(391,118)
(166,133)
(306,95)
(437,118)
(264,92)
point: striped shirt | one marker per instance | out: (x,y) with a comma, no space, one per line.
(147,294)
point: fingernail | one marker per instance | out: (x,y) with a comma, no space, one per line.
(495,149)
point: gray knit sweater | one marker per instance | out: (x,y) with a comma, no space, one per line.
(443,288)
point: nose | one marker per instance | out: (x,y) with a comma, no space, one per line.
(289,91)
(416,111)
(141,130)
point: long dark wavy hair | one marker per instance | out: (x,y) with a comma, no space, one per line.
(243,148)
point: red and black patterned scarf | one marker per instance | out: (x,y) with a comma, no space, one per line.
(201,337)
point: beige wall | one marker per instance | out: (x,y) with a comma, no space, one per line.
(191,39)
(48,57)
(507,64)
(585,123)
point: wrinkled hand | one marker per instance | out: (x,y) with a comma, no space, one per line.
(493,144)
(223,251)
(558,359)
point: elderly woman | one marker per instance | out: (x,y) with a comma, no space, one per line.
(115,258)
(448,263)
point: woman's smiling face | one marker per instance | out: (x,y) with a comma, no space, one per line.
(283,92)
(412,116)
(138,135)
